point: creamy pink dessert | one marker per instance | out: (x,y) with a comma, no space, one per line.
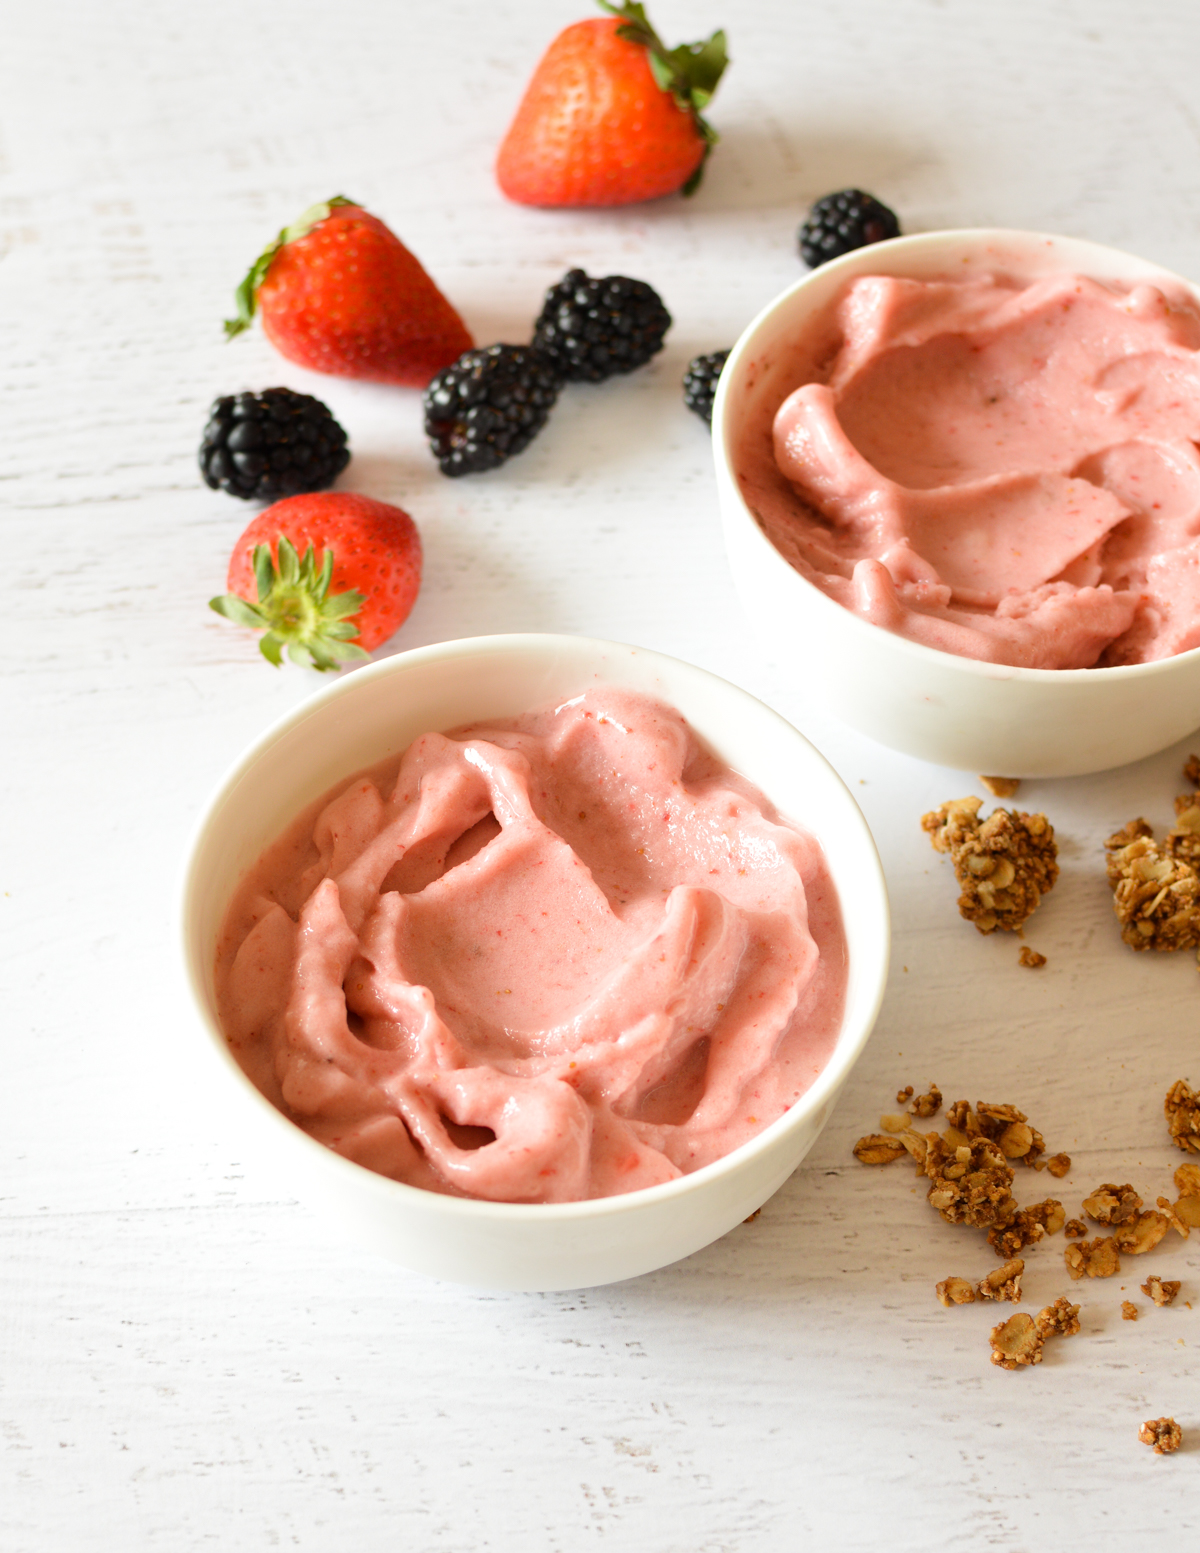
(1005,471)
(557,957)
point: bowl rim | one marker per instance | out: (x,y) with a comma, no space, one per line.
(822,1091)
(857,262)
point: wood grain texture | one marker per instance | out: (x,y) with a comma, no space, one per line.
(192,1361)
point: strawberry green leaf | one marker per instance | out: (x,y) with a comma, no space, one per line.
(246,295)
(689,72)
(321,587)
(342,604)
(288,562)
(264,571)
(296,610)
(239,610)
(702,65)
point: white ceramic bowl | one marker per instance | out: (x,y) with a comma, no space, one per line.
(981,717)
(377,711)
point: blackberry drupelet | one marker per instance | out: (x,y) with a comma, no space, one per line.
(593,329)
(839,223)
(700,383)
(488,406)
(273,444)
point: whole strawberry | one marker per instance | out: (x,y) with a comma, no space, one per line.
(328,577)
(340,293)
(612,116)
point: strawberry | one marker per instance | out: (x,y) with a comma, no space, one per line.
(612,116)
(340,293)
(295,552)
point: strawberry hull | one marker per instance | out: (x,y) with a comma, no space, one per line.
(376,550)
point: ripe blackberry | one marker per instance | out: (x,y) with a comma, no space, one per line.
(273,444)
(839,223)
(592,329)
(700,383)
(487,406)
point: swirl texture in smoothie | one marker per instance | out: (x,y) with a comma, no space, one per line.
(562,956)
(1001,470)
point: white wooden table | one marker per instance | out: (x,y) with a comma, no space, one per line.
(190,1360)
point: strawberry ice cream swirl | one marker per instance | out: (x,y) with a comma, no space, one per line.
(567,956)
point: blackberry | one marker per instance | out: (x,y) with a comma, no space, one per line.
(700,383)
(593,329)
(273,444)
(839,223)
(487,406)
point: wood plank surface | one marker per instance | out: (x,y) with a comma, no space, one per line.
(190,1359)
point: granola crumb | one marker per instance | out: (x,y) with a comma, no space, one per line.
(878,1149)
(1031,958)
(955,1291)
(1096,1258)
(1112,1204)
(1016,1342)
(1058,1165)
(928,1104)
(1058,1320)
(1129,1311)
(1182,1110)
(1161,1290)
(1074,1229)
(1003,1283)
(1191,771)
(1001,787)
(903,1096)
(1004,864)
(752,1217)
(1163,1433)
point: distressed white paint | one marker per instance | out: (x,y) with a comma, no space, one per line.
(190,1361)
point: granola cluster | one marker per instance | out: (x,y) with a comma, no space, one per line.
(970,1169)
(1135,1231)
(1156,885)
(1002,1283)
(1019,1341)
(1182,1110)
(1161,1290)
(1092,1258)
(1163,1433)
(1110,1204)
(1156,896)
(970,1165)
(1004,864)
(1003,1125)
(969,1184)
(1143,1233)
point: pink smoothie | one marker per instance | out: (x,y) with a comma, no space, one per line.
(557,957)
(1001,470)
